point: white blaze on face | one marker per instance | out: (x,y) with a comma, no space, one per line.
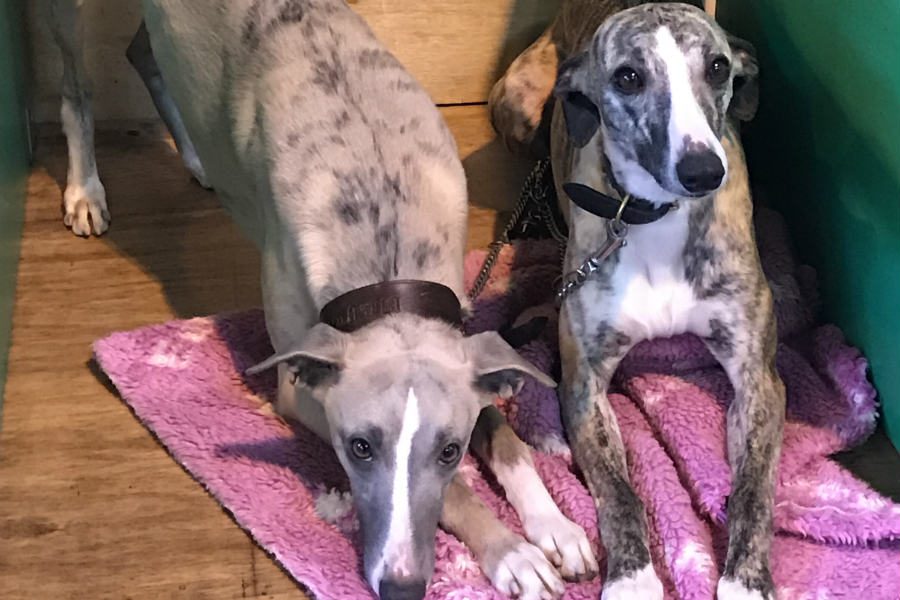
(397,554)
(686,118)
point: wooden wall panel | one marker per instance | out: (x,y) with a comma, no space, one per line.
(455,48)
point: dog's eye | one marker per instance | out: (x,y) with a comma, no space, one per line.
(718,71)
(360,449)
(627,81)
(449,454)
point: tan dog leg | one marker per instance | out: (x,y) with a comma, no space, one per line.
(514,566)
(518,100)
(563,542)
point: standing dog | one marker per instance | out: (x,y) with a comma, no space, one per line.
(645,101)
(84,200)
(337,164)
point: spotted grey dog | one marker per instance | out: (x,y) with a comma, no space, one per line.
(338,165)
(645,107)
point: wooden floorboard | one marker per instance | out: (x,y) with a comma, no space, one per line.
(90,505)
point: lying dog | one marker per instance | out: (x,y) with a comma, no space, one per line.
(338,165)
(644,149)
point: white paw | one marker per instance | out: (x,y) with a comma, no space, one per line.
(520,570)
(641,585)
(85,205)
(731,589)
(563,543)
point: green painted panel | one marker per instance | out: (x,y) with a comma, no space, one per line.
(825,149)
(13,163)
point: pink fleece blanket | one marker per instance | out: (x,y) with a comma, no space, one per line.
(836,537)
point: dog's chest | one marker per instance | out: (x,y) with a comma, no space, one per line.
(651,295)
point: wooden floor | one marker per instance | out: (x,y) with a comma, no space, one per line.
(90,505)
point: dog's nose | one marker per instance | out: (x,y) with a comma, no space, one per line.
(700,172)
(401,589)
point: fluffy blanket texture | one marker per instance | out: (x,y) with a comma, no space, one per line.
(836,538)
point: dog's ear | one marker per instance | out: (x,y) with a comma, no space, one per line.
(318,360)
(582,115)
(499,369)
(745,98)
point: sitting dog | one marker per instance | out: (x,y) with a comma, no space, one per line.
(644,149)
(338,165)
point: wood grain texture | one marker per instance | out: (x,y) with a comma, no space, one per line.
(456,49)
(90,505)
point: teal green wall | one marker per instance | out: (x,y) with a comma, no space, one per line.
(13,163)
(825,149)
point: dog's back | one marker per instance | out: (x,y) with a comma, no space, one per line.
(298,102)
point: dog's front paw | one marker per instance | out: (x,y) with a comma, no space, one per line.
(564,544)
(520,570)
(734,589)
(85,205)
(642,584)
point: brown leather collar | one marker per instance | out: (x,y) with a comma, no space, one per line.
(357,308)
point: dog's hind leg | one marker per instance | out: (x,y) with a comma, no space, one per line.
(84,200)
(514,566)
(755,420)
(598,450)
(521,100)
(563,542)
(140,55)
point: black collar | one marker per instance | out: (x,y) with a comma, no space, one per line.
(636,212)
(360,307)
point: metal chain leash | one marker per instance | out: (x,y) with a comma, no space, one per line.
(533,190)
(536,190)
(561,237)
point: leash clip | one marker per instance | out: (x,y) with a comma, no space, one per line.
(616,231)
